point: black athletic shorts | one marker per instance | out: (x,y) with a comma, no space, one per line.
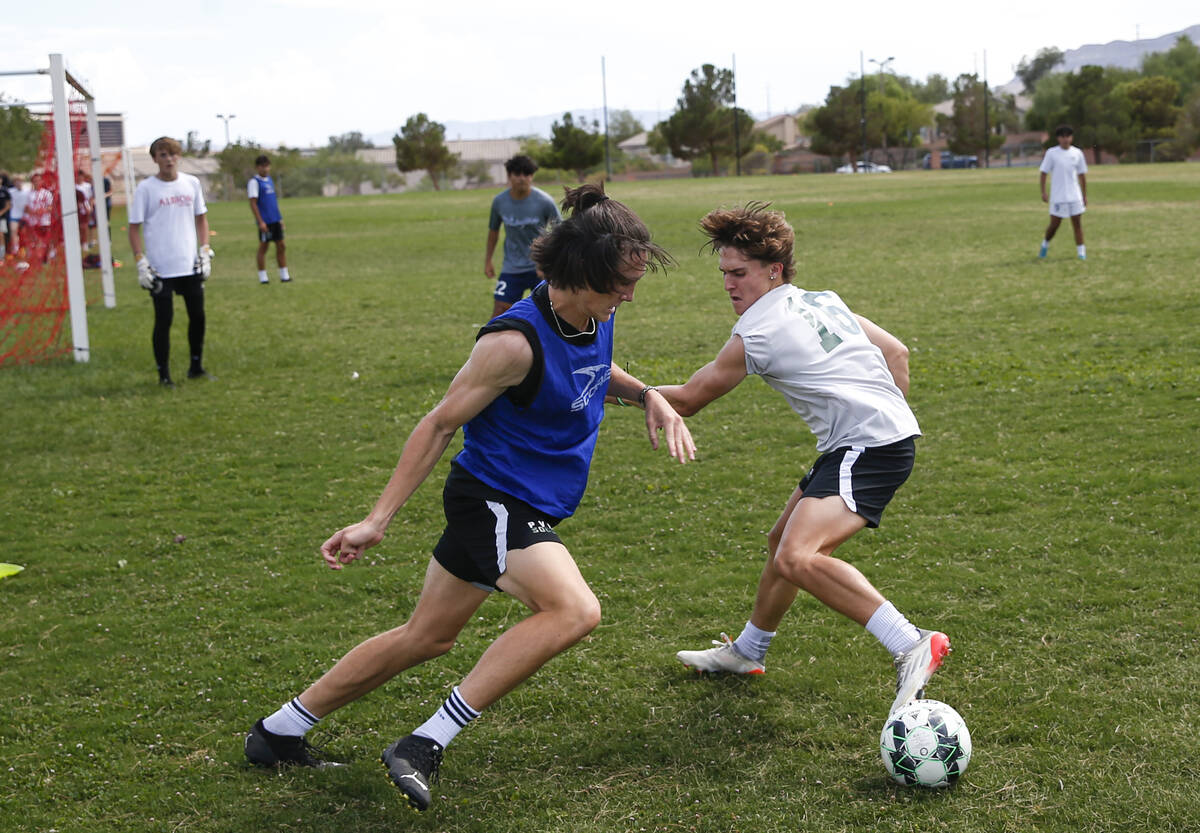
(482,525)
(864,478)
(274,232)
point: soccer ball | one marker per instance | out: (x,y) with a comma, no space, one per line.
(926,743)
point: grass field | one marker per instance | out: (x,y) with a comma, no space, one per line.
(1052,527)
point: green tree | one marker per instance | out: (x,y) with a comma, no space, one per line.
(1030,72)
(836,126)
(236,162)
(20,137)
(964,128)
(345,171)
(192,146)
(1047,108)
(933,90)
(1181,63)
(421,146)
(704,119)
(622,124)
(572,147)
(1187,128)
(348,142)
(1101,120)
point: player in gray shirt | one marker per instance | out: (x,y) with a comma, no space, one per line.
(524,211)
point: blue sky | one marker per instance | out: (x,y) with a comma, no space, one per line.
(299,71)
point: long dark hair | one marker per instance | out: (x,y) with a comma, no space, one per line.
(591,246)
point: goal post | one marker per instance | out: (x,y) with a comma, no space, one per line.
(76,294)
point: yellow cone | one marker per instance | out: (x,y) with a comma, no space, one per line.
(7,570)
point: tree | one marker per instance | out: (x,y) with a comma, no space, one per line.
(20,137)
(1047,108)
(345,171)
(836,126)
(964,128)
(192,146)
(572,147)
(622,125)
(933,90)
(348,142)
(703,122)
(1101,120)
(1187,127)
(421,146)
(236,161)
(1030,72)
(1181,63)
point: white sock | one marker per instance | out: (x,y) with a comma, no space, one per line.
(283,274)
(262,276)
(890,627)
(1045,243)
(292,720)
(448,721)
(753,642)
(1081,249)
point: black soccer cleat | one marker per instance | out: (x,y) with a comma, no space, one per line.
(412,763)
(268,749)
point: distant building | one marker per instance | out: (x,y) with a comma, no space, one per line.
(492,153)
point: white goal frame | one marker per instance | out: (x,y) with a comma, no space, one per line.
(65,156)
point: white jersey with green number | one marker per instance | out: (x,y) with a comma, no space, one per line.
(810,347)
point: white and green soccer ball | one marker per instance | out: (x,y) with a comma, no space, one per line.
(926,744)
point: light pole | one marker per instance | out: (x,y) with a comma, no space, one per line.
(226,120)
(882,69)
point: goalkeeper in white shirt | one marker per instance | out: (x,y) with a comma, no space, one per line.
(176,258)
(1066,168)
(846,378)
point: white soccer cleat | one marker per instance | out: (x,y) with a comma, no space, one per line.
(913,669)
(724,658)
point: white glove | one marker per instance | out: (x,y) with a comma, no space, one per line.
(206,256)
(145,273)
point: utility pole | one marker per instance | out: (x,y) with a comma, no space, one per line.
(862,97)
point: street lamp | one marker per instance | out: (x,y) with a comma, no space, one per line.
(226,120)
(882,69)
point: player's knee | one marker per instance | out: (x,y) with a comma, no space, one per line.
(425,644)
(581,616)
(796,566)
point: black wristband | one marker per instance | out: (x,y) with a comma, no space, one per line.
(642,395)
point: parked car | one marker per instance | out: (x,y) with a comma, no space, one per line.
(951,160)
(861,167)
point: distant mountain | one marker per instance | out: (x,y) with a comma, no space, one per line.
(1119,53)
(521,125)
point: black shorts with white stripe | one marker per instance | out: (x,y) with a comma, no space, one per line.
(864,477)
(482,525)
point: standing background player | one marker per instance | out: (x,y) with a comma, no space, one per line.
(524,211)
(176,258)
(265,206)
(1067,169)
(846,378)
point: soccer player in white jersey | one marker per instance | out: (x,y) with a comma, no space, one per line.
(176,258)
(1067,171)
(846,377)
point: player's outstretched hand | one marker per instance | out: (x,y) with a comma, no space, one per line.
(348,543)
(660,416)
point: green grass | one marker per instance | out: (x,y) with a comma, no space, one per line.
(1051,527)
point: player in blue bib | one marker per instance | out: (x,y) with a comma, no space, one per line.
(530,400)
(264,205)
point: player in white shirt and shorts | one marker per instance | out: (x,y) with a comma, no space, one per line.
(1067,171)
(846,378)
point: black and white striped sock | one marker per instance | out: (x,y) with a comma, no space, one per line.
(449,720)
(292,720)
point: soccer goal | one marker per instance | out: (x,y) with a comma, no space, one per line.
(32,286)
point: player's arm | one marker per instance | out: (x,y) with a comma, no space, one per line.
(135,240)
(895,353)
(1042,182)
(202,230)
(660,416)
(493,237)
(1083,187)
(498,361)
(252,193)
(714,380)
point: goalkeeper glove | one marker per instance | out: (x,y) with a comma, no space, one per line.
(146,276)
(206,256)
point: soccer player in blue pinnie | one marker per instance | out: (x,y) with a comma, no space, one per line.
(264,204)
(524,211)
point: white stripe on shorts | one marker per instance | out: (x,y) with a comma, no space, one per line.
(501,513)
(845,483)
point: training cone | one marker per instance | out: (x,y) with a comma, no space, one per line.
(7,570)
